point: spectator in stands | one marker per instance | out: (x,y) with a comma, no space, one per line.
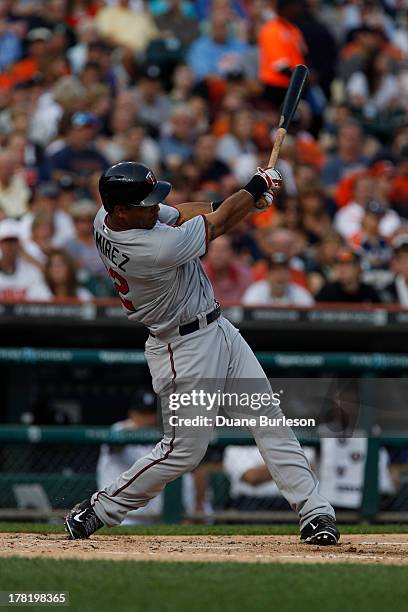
(37,42)
(383,173)
(14,191)
(315,220)
(83,250)
(122,26)
(245,244)
(39,246)
(129,141)
(61,277)
(348,156)
(376,89)
(347,220)
(397,291)
(78,158)
(217,53)
(182,84)
(46,199)
(239,140)
(176,23)
(277,290)
(177,144)
(153,105)
(375,254)
(281,48)
(348,286)
(320,265)
(137,144)
(10,46)
(229,278)
(363,42)
(209,171)
(279,240)
(19,279)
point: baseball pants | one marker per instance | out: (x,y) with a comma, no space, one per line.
(217,353)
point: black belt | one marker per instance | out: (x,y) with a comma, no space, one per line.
(189,328)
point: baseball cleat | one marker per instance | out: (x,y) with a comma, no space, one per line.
(81,521)
(321,531)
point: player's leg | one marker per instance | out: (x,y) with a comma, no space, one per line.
(279,446)
(176,368)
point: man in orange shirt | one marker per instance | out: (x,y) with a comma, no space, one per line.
(281,48)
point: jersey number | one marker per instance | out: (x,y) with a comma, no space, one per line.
(122,288)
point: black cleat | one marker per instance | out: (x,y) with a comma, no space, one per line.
(321,531)
(81,521)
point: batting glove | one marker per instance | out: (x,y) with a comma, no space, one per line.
(272,178)
(264,180)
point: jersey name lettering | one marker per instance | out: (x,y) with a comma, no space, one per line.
(111,252)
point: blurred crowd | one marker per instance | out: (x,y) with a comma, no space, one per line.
(193,89)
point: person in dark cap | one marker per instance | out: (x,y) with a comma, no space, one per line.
(79,158)
(348,287)
(397,291)
(277,290)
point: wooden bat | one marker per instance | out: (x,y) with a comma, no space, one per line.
(290,103)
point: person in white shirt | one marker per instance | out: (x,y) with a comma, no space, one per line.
(347,220)
(251,485)
(277,290)
(19,279)
(47,200)
(14,191)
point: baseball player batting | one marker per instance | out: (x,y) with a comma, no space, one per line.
(152,253)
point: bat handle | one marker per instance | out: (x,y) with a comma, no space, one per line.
(280,136)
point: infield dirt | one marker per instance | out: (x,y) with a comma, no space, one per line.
(389,549)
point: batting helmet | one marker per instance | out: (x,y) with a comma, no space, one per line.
(131,184)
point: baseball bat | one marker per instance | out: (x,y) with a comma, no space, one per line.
(289,106)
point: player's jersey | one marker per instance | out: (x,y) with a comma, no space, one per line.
(157,272)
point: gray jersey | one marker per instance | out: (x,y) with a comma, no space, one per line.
(157,272)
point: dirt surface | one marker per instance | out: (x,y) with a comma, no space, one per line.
(377,549)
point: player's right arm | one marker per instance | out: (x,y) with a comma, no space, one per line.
(236,207)
(180,244)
